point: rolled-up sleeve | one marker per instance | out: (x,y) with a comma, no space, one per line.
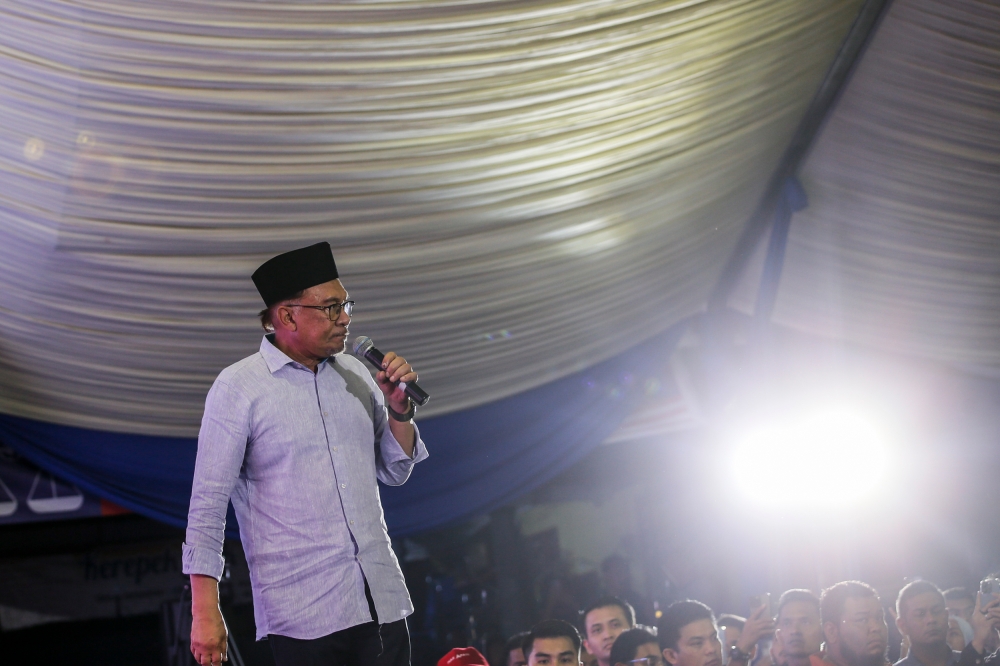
(222,444)
(393,466)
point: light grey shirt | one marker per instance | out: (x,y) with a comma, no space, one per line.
(298,453)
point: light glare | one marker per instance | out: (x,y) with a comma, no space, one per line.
(827,458)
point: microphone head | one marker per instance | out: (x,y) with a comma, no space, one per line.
(362,343)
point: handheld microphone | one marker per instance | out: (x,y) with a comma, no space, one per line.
(365,348)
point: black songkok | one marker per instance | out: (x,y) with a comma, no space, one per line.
(289,273)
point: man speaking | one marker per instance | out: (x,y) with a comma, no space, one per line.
(296,436)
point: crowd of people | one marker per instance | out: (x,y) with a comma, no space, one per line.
(846,625)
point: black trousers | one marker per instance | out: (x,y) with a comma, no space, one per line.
(369,644)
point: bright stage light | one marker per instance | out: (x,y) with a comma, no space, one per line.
(826,458)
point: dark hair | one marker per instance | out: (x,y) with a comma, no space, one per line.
(604,602)
(730,620)
(515,642)
(677,616)
(956,593)
(267,314)
(791,596)
(913,589)
(831,603)
(551,629)
(627,644)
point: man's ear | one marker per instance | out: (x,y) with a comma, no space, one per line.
(901,625)
(671,655)
(831,633)
(285,318)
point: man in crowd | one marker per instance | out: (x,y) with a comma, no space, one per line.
(922,617)
(616,576)
(688,635)
(960,602)
(799,631)
(552,643)
(297,435)
(854,625)
(514,649)
(603,621)
(634,646)
(985,623)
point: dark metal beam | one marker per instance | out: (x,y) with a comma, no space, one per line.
(835,81)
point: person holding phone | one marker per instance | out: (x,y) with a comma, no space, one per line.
(985,624)
(758,626)
(990,590)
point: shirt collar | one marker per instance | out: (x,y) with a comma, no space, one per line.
(277,359)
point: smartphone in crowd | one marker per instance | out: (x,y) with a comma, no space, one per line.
(990,590)
(764,644)
(759,600)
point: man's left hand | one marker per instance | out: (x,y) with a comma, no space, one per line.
(395,370)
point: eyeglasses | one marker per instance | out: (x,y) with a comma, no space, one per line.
(647,661)
(332,311)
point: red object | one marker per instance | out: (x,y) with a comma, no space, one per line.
(111,509)
(463,657)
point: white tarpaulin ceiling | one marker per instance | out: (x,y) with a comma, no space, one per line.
(514,190)
(899,248)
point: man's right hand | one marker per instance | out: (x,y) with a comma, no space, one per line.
(759,625)
(209,639)
(209,635)
(984,622)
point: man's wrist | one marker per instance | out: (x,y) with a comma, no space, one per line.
(405,415)
(205,611)
(738,654)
